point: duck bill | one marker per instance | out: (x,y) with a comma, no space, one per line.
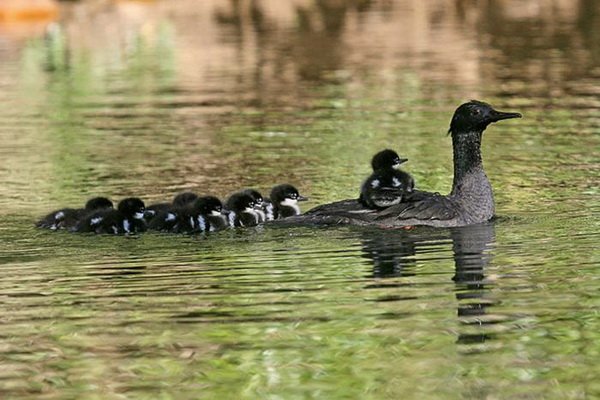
(499,115)
(302,198)
(400,162)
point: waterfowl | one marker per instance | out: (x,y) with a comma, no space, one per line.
(241,210)
(284,199)
(202,215)
(66,218)
(471,200)
(180,200)
(127,218)
(387,185)
(259,204)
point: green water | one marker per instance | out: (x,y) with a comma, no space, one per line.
(150,99)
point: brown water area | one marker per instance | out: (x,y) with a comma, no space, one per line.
(151,98)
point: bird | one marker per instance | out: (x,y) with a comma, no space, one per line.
(387,185)
(127,218)
(202,215)
(284,200)
(259,204)
(180,200)
(241,210)
(66,218)
(470,201)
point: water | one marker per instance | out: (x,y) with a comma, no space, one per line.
(152,98)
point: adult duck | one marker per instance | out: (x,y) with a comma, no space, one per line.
(471,200)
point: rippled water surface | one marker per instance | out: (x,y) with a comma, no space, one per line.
(152,98)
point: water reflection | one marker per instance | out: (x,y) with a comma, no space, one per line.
(393,254)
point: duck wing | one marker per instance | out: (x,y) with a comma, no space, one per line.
(423,207)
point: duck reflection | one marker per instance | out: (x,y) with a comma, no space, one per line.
(393,254)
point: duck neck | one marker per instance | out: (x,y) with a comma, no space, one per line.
(467,157)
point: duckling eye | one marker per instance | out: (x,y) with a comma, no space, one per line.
(476,111)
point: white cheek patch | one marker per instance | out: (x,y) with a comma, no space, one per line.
(396,182)
(138,215)
(170,217)
(59,215)
(375,183)
(201,223)
(292,203)
(95,221)
(126,225)
(215,213)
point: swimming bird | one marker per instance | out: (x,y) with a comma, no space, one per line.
(180,200)
(387,185)
(259,204)
(241,210)
(127,218)
(471,200)
(67,218)
(202,215)
(284,199)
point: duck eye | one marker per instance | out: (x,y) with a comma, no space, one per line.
(476,111)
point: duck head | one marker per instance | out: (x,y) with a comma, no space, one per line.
(132,207)
(208,205)
(286,194)
(98,203)
(258,198)
(387,159)
(475,116)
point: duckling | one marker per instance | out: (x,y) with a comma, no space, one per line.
(180,200)
(242,210)
(66,218)
(259,204)
(127,218)
(387,186)
(203,215)
(284,201)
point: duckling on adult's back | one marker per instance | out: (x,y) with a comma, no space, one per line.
(471,200)
(387,185)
